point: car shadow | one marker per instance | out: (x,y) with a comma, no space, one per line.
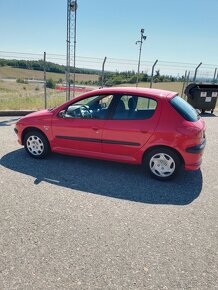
(116,180)
(9,122)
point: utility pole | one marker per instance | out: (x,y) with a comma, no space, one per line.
(140,51)
(71,45)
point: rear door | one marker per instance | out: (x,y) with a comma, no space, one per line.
(132,122)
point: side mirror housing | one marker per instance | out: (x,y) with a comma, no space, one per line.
(61,114)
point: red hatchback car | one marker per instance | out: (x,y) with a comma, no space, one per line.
(155,128)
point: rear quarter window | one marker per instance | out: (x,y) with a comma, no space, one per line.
(184,109)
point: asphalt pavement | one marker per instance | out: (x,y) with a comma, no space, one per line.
(76,223)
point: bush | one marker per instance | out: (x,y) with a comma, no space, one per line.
(21,81)
(50,84)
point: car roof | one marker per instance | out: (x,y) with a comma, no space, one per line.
(135,90)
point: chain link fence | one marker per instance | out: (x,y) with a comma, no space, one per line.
(24,88)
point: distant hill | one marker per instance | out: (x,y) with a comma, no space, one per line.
(38,65)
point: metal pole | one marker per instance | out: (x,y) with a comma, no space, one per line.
(71,49)
(196,71)
(74,53)
(140,51)
(187,79)
(152,73)
(214,77)
(45,81)
(68,53)
(102,73)
(183,86)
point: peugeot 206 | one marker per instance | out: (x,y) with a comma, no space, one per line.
(154,128)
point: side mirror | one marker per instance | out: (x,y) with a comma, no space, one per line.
(61,114)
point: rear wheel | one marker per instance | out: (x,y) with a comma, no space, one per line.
(36,145)
(162,163)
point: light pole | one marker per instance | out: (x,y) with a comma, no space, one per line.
(140,51)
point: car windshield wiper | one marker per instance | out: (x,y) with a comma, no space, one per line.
(51,109)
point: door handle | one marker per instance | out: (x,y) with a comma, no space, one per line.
(144,131)
(95,128)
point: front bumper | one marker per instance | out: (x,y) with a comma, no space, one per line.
(18,135)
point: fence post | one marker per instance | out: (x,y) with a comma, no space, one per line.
(45,81)
(102,72)
(214,77)
(195,75)
(152,73)
(183,86)
(187,79)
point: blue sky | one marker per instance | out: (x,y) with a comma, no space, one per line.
(183,31)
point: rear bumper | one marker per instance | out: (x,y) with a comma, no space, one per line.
(197,149)
(193,166)
(193,156)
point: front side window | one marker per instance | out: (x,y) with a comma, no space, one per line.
(95,107)
(134,108)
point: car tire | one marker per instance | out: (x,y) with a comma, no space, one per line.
(162,163)
(36,144)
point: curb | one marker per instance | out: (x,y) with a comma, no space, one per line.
(15,113)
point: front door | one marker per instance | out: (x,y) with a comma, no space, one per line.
(79,127)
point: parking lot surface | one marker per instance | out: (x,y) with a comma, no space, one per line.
(76,223)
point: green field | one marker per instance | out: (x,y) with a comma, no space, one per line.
(16,96)
(30,96)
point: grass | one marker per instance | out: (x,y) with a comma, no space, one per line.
(16,96)
(9,72)
(169,86)
(30,96)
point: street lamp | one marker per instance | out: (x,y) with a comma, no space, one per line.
(140,50)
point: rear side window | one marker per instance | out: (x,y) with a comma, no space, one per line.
(131,107)
(184,109)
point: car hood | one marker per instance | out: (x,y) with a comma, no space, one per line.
(42,113)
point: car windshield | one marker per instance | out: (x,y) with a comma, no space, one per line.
(185,109)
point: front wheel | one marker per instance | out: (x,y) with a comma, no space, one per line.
(162,163)
(36,145)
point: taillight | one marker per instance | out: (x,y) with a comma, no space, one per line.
(190,131)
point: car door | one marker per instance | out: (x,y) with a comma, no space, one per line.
(79,127)
(132,123)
